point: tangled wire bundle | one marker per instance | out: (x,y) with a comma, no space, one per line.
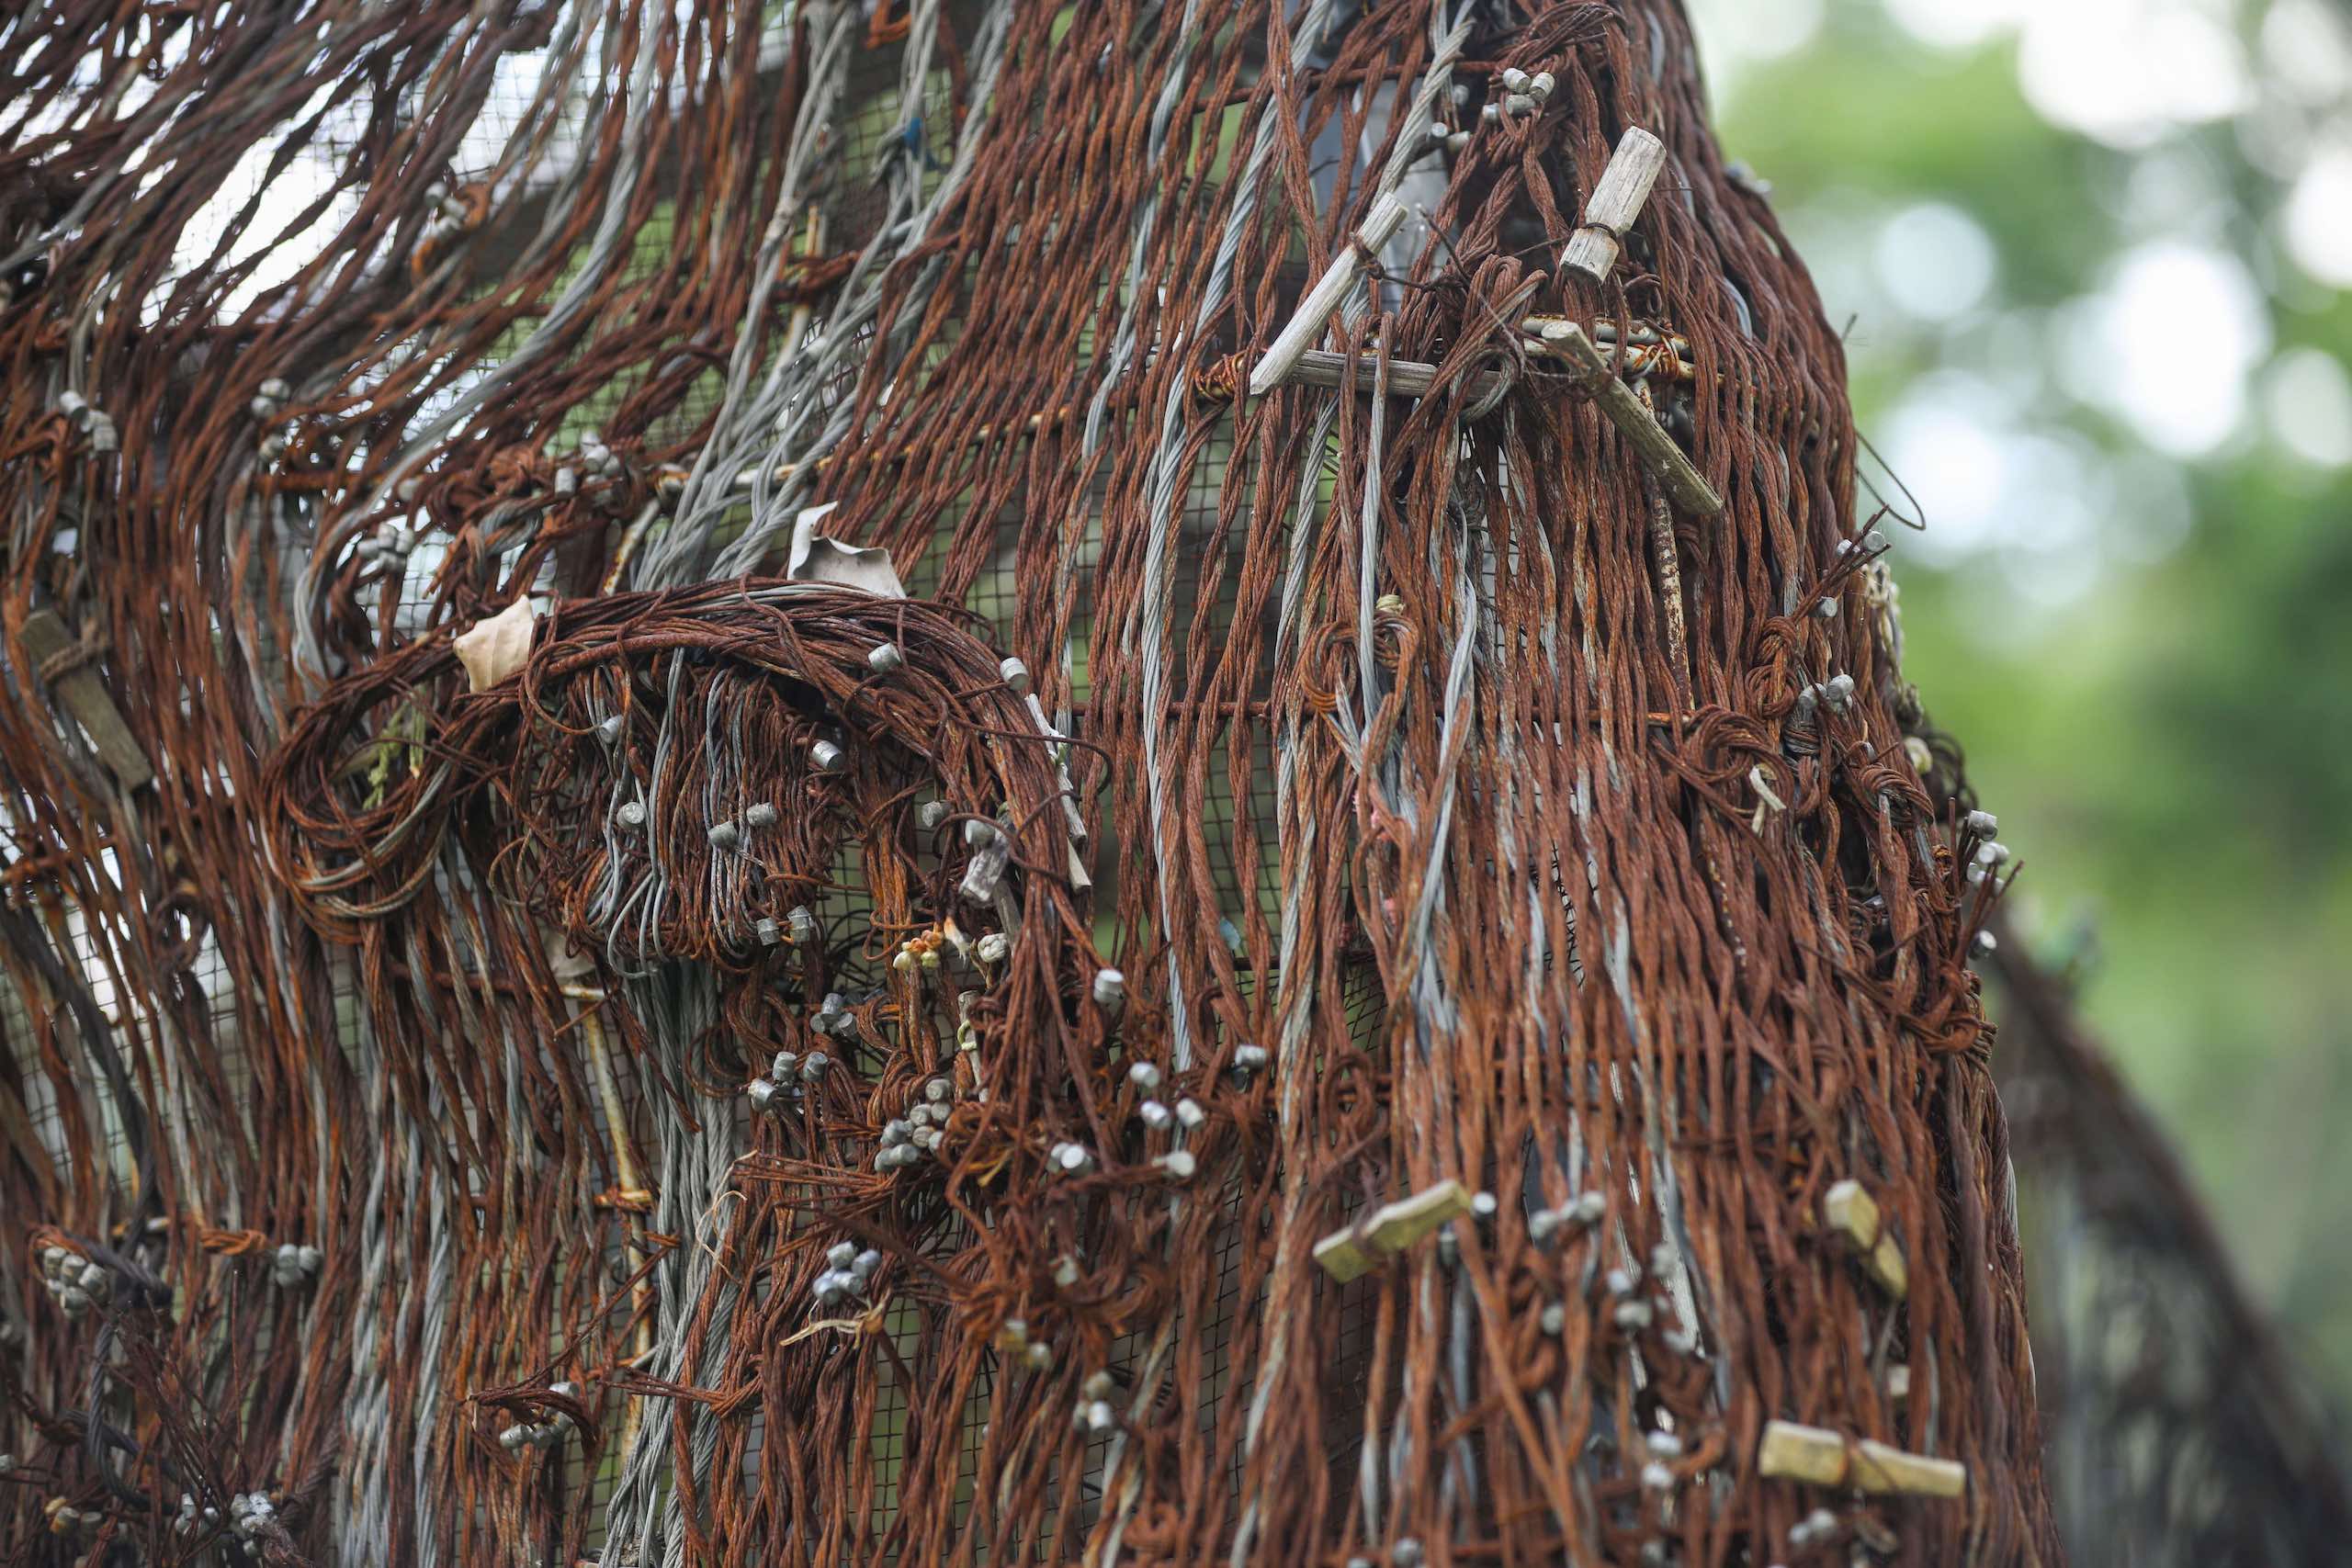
(669,771)
(715,1095)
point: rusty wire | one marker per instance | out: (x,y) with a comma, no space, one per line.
(1388,756)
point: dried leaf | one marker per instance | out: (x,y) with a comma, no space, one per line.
(493,648)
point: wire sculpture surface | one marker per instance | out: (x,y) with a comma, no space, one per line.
(767,1069)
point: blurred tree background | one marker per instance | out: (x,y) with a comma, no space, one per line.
(2091,260)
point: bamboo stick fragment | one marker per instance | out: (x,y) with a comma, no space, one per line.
(1566,341)
(804,312)
(1884,1265)
(1879,1468)
(1389,1230)
(624,1167)
(1791,1451)
(1380,226)
(1616,201)
(1848,1209)
(1818,1457)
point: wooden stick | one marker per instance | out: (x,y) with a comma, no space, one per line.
(617,1128)
(1380,226)
(83,695)
(1885,1264)
(1389,1230)
(1851,1211)
(1879,1468)
(1818,1457)
(1615,203)
(1790,1451)
(1684,485)
(804,312)
(1407,377)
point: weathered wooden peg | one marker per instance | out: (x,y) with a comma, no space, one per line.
(1818,1457)
(1884,1263)
(1380,226)
(80,692)
(1615,203)
(1566,342)
(1389,1230)
(1880,1468)
(1790,1451)
(1849,1210)
(985,872)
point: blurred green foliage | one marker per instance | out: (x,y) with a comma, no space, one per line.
(2157,702)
